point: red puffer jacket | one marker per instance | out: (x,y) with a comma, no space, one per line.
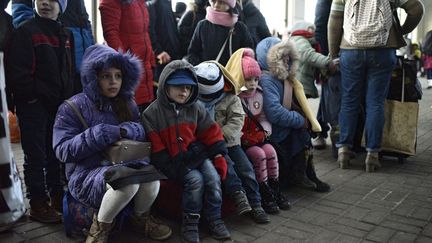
(125,26)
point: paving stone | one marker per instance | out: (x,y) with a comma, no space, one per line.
(347,238)
(380,234)
(42,231)
(378,194)
(345,197)
(405,220)
(312,229)
(375,217)
(240,237)
(344,229)
(402,237)
(401,226)
(274,237)
(428,230)
(330,210)
(10,237)
(292,232)
(423,239)
(421,213)
(325,236)
(333,204)
(396,196)
(356,213)
(355,224)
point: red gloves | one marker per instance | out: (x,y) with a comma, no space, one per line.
(221,166)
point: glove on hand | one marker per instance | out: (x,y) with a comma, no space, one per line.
(221,166)
(133,130)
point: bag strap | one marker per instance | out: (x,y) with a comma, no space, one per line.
(252,117)
(288,94)
(229,37)
(77,112)
(403,83)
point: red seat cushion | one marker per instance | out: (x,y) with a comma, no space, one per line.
(169,201)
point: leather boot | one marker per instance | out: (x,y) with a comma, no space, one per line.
(241,202)
(299,177)
(281,200)
(372,161)
(149,226)
(44,213)
(310,172)
(99,231)
(268,201)
(189,228)
(344,156)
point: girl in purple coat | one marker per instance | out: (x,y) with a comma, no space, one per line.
(106,104)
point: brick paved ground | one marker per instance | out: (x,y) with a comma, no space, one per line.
(391,205)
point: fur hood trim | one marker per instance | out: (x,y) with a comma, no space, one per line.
(271,53)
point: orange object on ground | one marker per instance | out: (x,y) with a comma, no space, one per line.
(15,135)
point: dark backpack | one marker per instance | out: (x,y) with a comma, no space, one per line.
(427,44)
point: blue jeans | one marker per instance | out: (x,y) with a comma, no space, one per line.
(244,169)
(42,170)
(366,76)
(203,184)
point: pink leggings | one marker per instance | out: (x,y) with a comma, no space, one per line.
(265,162)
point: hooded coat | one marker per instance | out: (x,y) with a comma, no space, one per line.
(270,54)
(188,23)
(80,148)
(126,27)
(255,21)
(173,129)
(5,24)
(310,60)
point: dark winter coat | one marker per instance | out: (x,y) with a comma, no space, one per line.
(255,22)
(126,27)
(176,131)
(40,63)
(208,40)
(81,148)
(322,14)
(5,27)
(75,19)
(187,25)
(163,29)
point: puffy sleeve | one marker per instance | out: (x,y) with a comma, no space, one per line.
(111,14)
(72,142)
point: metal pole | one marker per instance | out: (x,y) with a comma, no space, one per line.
(94,12)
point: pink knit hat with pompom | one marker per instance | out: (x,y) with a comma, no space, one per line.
(250,67)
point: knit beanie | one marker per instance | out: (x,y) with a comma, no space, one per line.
(231,3)
(62,4)
(210,80)
(250,67)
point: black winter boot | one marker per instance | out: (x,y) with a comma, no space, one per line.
(218,230)
(310,172)
(281,200)
(241,202)
(189,228)
(298,167)
(268,201)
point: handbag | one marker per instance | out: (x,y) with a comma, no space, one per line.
(400,127)
(278,148)
(121,151)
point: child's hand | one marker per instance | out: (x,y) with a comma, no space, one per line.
(220,164)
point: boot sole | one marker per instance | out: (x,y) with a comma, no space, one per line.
(166,236)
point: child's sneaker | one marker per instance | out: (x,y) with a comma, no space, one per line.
(241,202)
(218,230)
(189,228)
(259,215)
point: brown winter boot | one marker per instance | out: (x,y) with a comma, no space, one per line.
(149,226)
(99,231)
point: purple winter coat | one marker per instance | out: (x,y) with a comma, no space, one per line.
(81,148)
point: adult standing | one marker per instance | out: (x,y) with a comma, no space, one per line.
(125,26)
(255,21)
(163,34)
(366,63)
(188,23)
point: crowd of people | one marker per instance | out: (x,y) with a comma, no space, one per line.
(223,103)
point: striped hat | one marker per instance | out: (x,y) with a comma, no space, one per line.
(210,80)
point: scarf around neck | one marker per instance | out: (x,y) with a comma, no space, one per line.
(221,18)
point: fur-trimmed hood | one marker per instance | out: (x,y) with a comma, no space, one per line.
(99,57)
(271,52)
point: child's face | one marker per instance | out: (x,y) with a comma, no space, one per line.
(49,9)
(179,93)
(251,84)
(219,5)
(110,82)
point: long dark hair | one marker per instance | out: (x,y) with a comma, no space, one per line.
(121,109)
